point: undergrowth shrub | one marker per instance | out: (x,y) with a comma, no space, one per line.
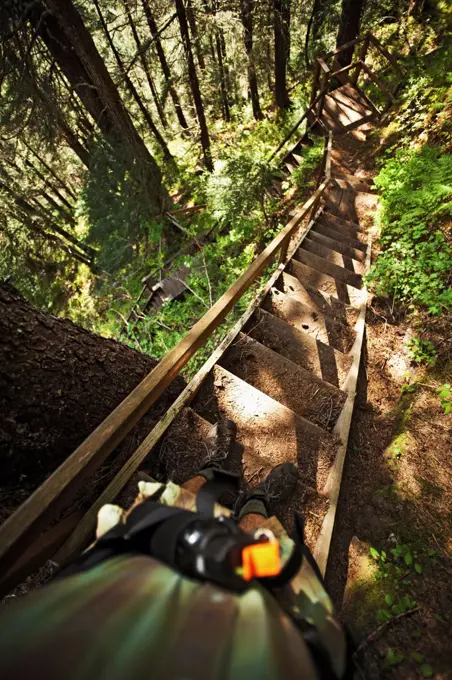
(415,263)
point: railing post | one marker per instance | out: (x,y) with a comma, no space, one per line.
(361,59)
(283,251)
(325,83)
(315,84)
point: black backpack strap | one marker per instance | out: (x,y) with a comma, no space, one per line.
(219,482)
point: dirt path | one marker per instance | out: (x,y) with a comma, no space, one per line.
(396,498)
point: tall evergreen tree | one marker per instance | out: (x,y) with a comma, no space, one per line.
(164,64)
(194,84)
(280,31)
(61,27)
(349,26)
(246,14)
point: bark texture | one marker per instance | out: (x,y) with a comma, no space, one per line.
(194,84)
(71,45)
(280,15)
(351,13)
(246,12)
(164,64)
(57,383)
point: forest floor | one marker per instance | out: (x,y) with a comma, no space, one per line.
(391,564)
(391,557)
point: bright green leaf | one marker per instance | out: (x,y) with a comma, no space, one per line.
(426,670)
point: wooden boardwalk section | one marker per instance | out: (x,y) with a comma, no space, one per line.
(345,109)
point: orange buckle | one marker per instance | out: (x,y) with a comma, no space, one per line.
(260,560)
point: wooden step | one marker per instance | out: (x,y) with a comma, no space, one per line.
(298,159)
(267,430)
(300,347)
(183,449)
(291,167)
(351,228)
(323,227)
(338,174)
(354,183)
(339,247)
(326,267)
(318,300)
(347,294)
(340,202)
(289,384)
(336,258)
(341,220)
(305,319)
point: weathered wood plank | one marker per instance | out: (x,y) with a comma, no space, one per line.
(342,430)
(361,59)
(38,553)
(373,76)
(387,54)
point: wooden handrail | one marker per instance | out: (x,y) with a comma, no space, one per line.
(345,46)
(344,69)
(373,76)
(323,65)
(31,518)
(386,54)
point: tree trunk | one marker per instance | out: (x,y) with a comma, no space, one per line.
(194,31)
(164,64)
(222,74)
(131,87)
(71,45)
(313,22)
(144,64)
(246,12)
(351,13)
(58,382)
(194,84)
(281,94)
(286,17)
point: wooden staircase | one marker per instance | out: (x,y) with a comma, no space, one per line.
(289,378)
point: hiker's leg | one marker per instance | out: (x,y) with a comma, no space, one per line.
(221,440)
(253,507)
(194,484)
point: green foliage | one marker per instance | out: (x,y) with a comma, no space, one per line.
(414,265)
(116,208)
(427,670)
(304,176)
(445,395)
(393,657)
(422,351)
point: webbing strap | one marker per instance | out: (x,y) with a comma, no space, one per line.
(219,483)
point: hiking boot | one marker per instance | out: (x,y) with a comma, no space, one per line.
(220,443)
(279,484)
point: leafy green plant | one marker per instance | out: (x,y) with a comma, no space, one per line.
(445,395)
(414,263)
(394,657)
(422,351)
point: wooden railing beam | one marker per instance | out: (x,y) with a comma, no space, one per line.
(386,54)
(361,59)
(373,76)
